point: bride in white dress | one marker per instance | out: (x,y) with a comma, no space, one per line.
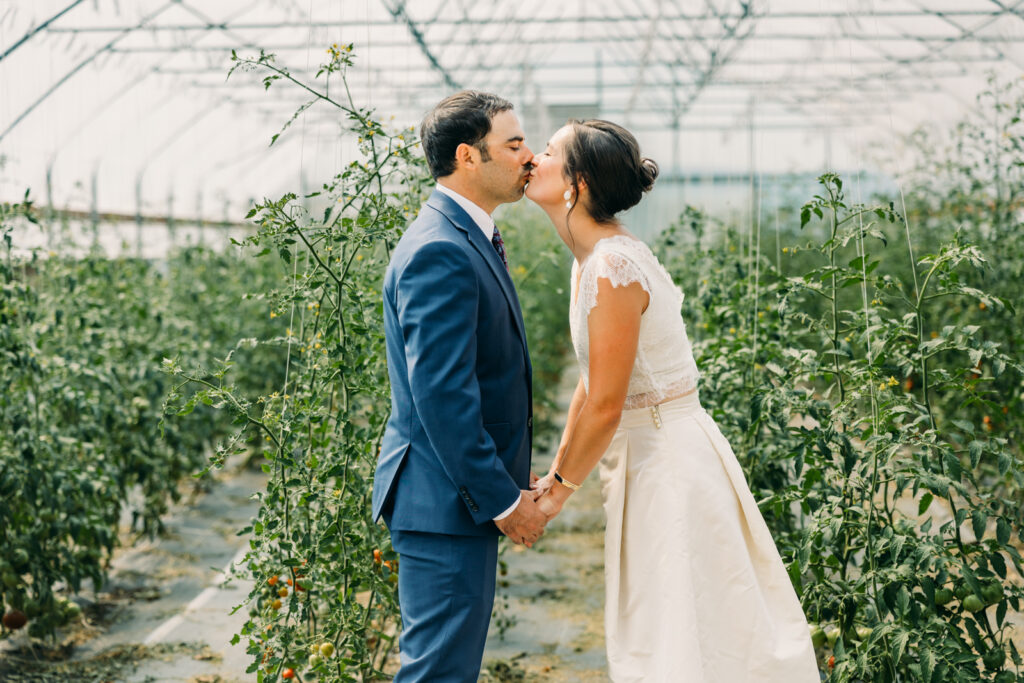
(695,589)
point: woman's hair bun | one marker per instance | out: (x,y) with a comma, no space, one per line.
(648,173)
(606,157)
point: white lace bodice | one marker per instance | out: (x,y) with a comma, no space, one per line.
(664,367)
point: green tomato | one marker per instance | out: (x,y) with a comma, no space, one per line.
(10,579)
(863,633)
(19,558)
(32,608)
(327,649)
(943,596)
(832,635)
(314,649)
(315,661)
(817,635)
(972,603)
(994,658)
(992,593)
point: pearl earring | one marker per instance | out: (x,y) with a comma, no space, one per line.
(567,196)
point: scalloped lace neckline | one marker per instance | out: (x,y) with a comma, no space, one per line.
(580,265)
(621,236)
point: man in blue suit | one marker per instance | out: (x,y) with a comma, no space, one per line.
(454,469)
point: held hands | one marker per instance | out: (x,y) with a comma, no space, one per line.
(551,496)
(537,506)
(550,505)
(526,523)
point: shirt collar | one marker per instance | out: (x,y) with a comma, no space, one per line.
(479,216)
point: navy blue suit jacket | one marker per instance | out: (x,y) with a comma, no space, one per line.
(456,449)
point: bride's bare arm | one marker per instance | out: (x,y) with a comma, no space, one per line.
(544,483)
(578,396)
(614,329)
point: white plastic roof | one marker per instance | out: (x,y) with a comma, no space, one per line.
(124,104)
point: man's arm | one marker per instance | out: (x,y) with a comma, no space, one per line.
(437,301)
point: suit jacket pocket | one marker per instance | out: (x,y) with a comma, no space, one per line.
(501,434)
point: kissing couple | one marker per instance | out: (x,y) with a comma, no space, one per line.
(695,590)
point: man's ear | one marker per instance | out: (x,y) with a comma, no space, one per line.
(466,155)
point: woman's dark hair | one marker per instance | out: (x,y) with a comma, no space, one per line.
(464,117)
(606,157)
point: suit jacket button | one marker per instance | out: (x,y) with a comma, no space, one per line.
(529,421)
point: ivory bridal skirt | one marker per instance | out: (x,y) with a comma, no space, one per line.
(695,589)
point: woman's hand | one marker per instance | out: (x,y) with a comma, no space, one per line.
(550,505)
(543,484)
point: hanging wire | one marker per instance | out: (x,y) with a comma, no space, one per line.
(295,260)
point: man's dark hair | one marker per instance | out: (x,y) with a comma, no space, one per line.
(464,117)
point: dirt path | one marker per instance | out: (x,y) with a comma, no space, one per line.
(164,615)
(555,594)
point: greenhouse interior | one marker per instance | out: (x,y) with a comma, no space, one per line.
(203,222)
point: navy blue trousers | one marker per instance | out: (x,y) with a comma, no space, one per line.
(446,592)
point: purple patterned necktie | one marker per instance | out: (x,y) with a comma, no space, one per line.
(499,246)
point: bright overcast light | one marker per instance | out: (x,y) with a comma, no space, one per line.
(125,106)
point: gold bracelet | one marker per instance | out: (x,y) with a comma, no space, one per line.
(566,483)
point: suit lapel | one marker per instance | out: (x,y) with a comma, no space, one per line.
(461,220)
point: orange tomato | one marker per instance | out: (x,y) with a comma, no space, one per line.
(288,673)
(272,580)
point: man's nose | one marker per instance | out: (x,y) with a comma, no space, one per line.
(529,157)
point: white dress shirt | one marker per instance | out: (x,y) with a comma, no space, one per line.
(487,227)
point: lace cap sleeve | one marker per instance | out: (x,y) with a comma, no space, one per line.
(617,268)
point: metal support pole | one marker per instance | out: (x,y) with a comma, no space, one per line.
(138,214)
(94,214)
(200,222)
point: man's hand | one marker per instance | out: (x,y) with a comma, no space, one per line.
(526,523)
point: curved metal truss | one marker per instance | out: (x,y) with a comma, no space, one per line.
(661,66)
